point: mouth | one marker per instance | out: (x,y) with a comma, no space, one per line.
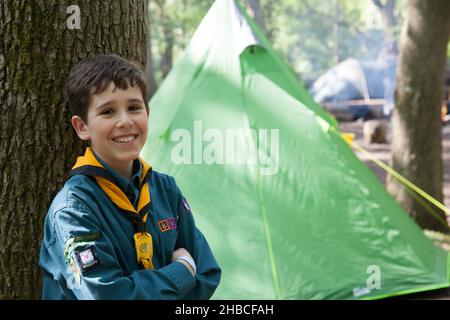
(125,139)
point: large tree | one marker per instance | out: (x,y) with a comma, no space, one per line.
(416,122)
(41,40)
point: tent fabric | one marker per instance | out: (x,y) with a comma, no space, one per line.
(354,79)
(289,210)
(345,81)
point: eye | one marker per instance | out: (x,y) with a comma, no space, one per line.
(107,112)
(135,107)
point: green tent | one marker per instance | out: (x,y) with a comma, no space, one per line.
(288,209)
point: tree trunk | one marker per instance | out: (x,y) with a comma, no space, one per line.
(388,19)
(263,12)
(255,13)
(166,62)
(416,123)
(167,56)
(37,143)
(336,31)
(150,69)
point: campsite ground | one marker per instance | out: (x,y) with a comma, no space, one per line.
(382,152)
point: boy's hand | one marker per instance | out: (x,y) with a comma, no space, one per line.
(183,252)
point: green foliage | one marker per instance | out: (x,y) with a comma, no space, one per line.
(311,35)
(315,35)
(173,18)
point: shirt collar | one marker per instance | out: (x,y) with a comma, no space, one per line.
(124,183)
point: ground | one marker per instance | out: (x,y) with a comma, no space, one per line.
(382,152)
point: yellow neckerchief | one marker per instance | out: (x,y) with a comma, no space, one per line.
(89,165)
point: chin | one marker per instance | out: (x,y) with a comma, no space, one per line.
(128,156)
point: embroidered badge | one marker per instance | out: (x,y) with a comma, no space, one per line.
(88,237)
(185,204)
(79,241)
(76,272)
(167,224)
(171,223)
(87,258)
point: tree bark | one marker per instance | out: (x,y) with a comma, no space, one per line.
(150,68)
(416,122)
(166,62)
(37,143)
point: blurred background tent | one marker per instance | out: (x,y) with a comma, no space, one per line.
(288,209)
(354,79)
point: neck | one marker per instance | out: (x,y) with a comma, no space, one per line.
(124,170)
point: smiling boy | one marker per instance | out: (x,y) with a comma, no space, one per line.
(118,229)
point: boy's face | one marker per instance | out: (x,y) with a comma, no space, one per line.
(116,125)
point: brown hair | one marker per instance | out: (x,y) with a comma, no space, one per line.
(93,76)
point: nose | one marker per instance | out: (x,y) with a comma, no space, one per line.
(124,120)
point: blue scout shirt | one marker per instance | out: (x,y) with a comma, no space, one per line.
(88,247)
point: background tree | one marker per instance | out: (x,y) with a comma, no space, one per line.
(313,35)
(167,27)
(152,86)
(37,143)
(254,8)
(416,123)
(388,18)
(172,25)
(264,13)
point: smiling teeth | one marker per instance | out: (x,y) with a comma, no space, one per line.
(124,139)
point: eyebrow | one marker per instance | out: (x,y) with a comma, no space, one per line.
(111,101)
(135,100)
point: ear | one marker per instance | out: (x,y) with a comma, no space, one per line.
(80,127)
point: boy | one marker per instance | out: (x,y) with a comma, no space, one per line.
(118,229)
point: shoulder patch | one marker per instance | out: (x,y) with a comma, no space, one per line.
(88,237)
(78,241)
(185,204)
(87,258)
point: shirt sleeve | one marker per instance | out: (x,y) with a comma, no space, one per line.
(191,238)
(91,268)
